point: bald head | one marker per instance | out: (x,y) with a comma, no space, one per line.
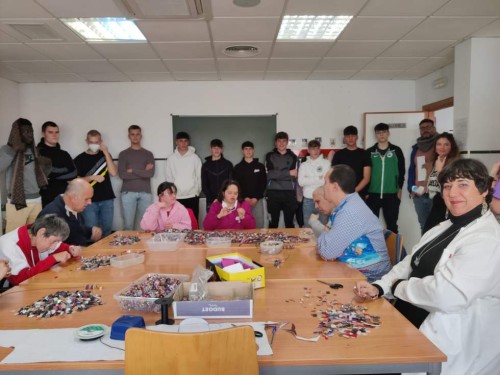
(78,194)
(320,202)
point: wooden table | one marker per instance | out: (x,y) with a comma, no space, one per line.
(394,347)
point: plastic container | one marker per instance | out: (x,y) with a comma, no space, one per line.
(127,260)
(271,247)
(165,241)
(220,242)
(147,287)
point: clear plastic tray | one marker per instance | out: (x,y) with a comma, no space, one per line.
(165,241)
(218,241)
(271,247)
(145,304)
(127,260)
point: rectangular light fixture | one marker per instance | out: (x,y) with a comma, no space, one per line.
(312,27)
(105,29)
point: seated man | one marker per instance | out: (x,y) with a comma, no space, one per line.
(324,207)
(70,206)
(35,248)
(356,236)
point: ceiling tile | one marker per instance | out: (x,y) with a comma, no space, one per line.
(192,76)
(401,7)
(9,68)
(183,50)
(388,63)
(23,78)
(445,28)
(125,50)
(491,30)
(431,64)
(174,31)
(376,74)
(242,64)
(410,48)
(238,29)
(139,66)
(266,8)
(22,9)
(292,64)
(410,75)
(38,67)
(17,51)
(332,74)
(301,49)
(320,7)
(264,48)
(6,38)
(105,77)
(89,66)
(359,48)
(70,77)
(242,76)
(82,8)
(66,51)
(194,65)
(470,8)
(293,76)
(150,77)
(379,28)
(340,63)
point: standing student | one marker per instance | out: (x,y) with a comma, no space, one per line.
(311,176)
(421,158)
(96,166)
(387,177)
(136,166)
(355,157)
(63,168)
(184,170)
(281,164)
(251,175)
(215,171)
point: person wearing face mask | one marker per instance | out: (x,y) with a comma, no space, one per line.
(96,166)
(26,175)
(35,248)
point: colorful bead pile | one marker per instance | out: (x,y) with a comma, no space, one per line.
(95,262)
(59,303)
(120,240)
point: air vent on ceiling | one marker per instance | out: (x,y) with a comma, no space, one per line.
(157,9)
(37,31)
(241,51)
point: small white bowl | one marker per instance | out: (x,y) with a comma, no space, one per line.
(271,247)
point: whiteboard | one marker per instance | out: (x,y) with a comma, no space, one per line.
(404,137)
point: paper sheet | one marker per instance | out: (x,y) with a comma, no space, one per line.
(61,345)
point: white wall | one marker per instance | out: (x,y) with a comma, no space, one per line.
(426,94)
(305,109)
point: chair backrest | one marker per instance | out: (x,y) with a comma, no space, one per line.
(194,222)
(226,351)
(395,248)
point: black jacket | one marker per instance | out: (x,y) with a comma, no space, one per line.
(251,177)
(213,174)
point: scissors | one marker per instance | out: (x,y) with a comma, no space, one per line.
(333,286)
(256,333)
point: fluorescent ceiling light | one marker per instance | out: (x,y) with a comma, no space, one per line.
(312,27)
(105,29)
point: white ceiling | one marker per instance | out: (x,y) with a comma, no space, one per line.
(386,39)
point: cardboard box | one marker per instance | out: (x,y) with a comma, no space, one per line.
(256,276)
(228,300)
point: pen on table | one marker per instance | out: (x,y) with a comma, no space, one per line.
(272,335)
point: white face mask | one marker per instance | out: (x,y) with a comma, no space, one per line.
(94,147)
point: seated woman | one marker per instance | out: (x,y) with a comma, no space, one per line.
(166,213)
(449,286)
(35,248)
(227,212)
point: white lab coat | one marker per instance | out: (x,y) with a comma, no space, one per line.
(463,297)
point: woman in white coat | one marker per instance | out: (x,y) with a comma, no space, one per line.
(449,287)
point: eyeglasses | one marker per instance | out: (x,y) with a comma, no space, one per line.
(426,127)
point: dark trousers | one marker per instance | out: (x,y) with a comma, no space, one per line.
(192,203)
(389,203)
(281,200)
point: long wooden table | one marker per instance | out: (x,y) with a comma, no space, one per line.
(394,347)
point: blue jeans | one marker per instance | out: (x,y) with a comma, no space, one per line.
(100,214)
(309,209)
(134,204)
(423,207)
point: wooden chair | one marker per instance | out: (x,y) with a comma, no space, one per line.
(194,222)
(227,351)
(395,248)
